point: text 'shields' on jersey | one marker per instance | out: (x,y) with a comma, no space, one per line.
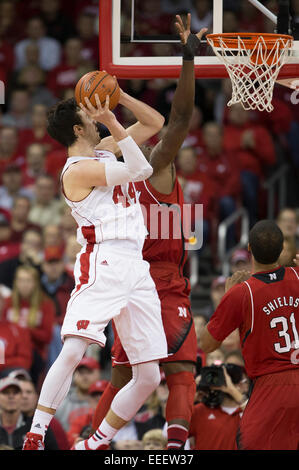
(108,214)
(266,310)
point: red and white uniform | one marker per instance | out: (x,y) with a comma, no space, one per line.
(112,279)
(266,310)
(165,250)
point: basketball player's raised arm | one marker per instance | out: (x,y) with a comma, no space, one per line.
(149,122)
(135,166)
(165,151)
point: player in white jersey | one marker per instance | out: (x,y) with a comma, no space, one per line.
(112,279)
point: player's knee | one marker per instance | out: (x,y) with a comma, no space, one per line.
(149,375)
(73,351)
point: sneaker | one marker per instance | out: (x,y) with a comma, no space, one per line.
(33,442)
(83,445)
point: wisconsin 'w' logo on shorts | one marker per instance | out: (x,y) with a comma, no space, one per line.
(82,324)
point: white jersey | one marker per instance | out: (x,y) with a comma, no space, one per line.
(108,214)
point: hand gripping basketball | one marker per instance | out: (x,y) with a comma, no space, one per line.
(99,113)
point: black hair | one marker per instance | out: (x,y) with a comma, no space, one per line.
(266,241)
(61,119)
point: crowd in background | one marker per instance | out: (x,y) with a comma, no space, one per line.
(45,47)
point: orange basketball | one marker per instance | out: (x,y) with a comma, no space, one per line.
(97,82)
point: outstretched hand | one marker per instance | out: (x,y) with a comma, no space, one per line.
(236,278)
(185,31)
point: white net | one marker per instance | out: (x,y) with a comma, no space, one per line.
(253,68)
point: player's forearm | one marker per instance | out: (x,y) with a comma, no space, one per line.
(183,100)
(144,113)
(117,131)
(134,168)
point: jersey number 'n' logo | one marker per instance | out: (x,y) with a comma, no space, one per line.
(82,324)
(273,277)
(182,312)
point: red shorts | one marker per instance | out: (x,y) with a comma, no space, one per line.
(173,292)
(271,417)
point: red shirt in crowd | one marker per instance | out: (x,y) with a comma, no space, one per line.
(266,310)
(15,346)
(223,170)
(41,334)
(214,428)
(250,159)
(61,78)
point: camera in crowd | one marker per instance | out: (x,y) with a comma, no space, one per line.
(213,376)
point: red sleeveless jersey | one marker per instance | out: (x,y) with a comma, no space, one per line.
(266,310)
(163,215)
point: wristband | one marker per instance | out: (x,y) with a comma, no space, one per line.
(189,49)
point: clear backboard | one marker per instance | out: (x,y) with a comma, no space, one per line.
(138,39)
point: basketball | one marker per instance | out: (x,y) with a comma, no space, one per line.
(98,82)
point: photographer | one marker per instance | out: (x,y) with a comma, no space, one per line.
(216,419)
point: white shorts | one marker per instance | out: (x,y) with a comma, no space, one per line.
(115,285)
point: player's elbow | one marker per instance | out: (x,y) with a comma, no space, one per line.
(144,174)
(207,343)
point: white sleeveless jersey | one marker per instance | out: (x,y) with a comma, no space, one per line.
(111,216)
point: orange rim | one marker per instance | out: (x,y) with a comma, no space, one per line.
(249,39)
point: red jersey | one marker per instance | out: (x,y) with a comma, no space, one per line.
(163,218)
(214,428)
(266,310)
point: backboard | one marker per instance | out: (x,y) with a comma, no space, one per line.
(128,50)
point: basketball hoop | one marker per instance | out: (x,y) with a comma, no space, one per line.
(253,62)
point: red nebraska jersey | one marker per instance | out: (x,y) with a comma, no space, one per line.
(266,310)
(163,218)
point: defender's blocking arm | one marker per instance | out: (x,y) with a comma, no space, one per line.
(166,150)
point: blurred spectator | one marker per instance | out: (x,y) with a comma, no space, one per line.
(90,40)
(217,292)
(6,57)
(67,73)
(175,6)
(72,248)
(13,423)
(49,48)
(200,321)
(68,224)
(45,208)
(127,444)
(77,401)
(8,248)
(30,253)
(58,285)
(9,148)
(33,78)
(57,25)
(221,167)
(15,343)
(287,222)
(11,24)
(240,261)
(250,19)
(253,148)
(202,15)
(52,236)
(19,223)
(215,421)
(31,309)
(154,440)
(11,187)
(18,114)
(38,133)
(28,406)
(95,392)
(197,187)
(35,165)
(230,22)
(216,357)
